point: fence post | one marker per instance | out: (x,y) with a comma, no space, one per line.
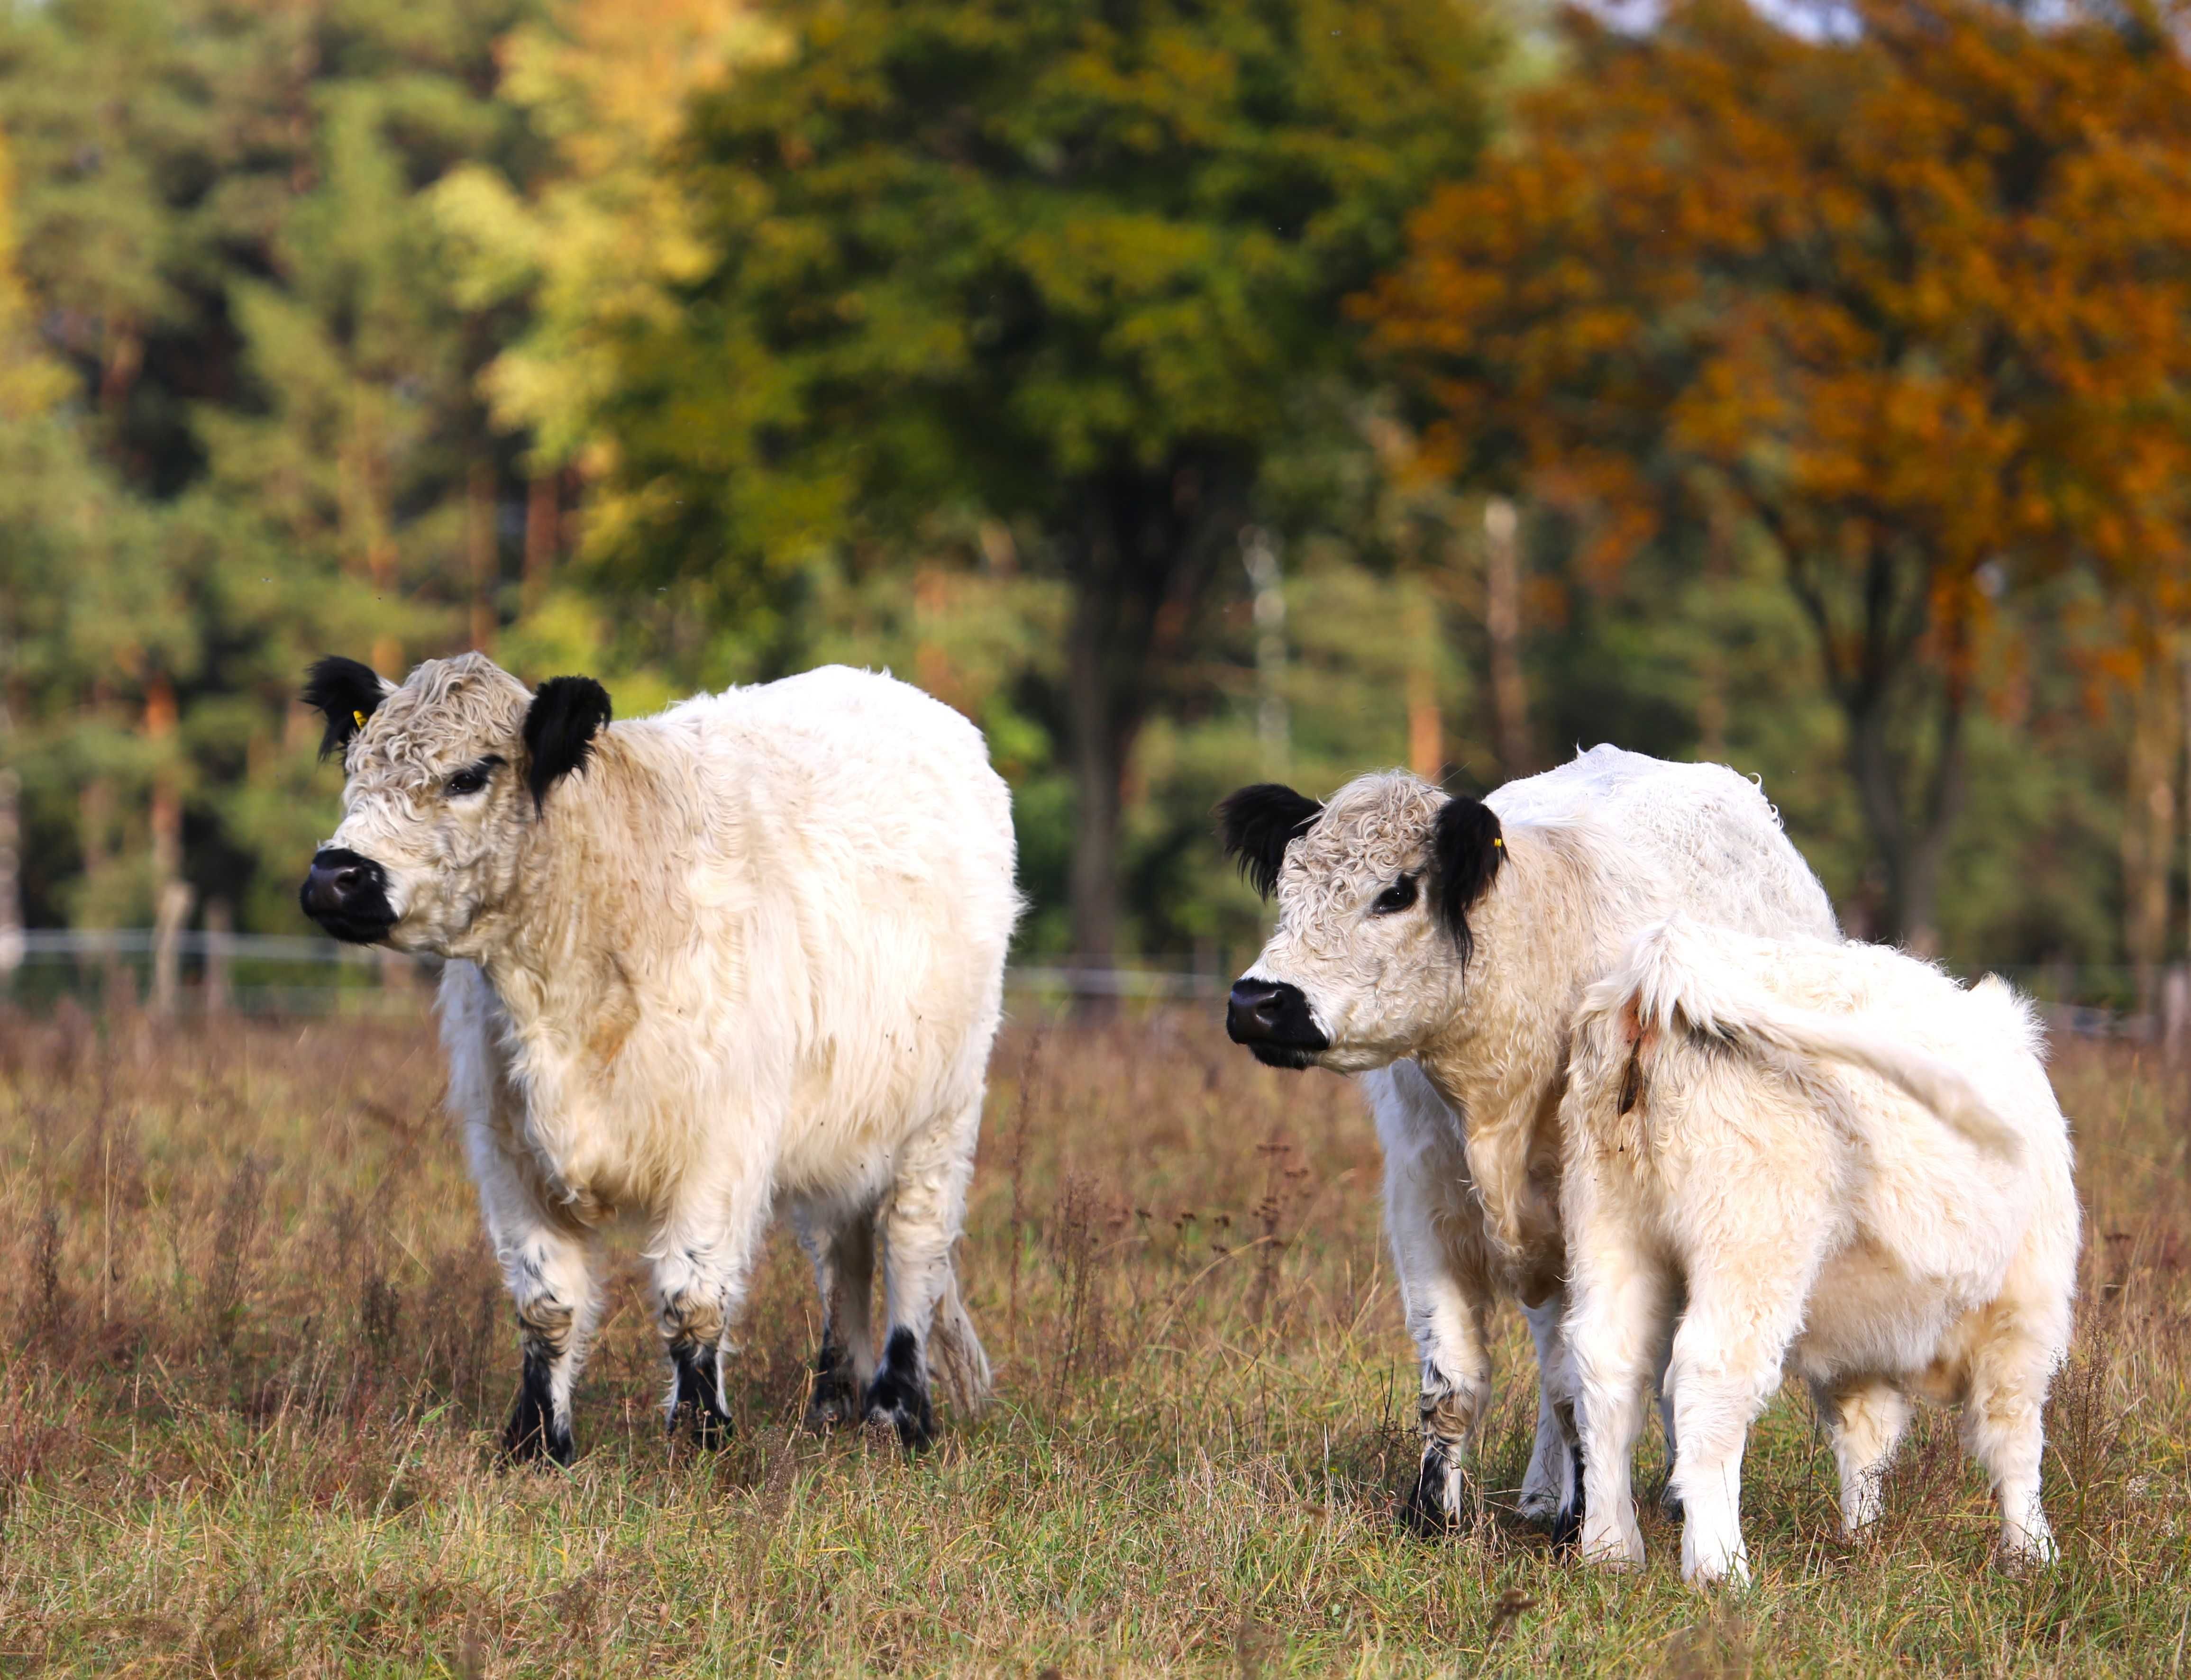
(2175,1014)
(220,929)
(172,911)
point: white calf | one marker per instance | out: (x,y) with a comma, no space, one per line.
(1818,1157)
(1439,947)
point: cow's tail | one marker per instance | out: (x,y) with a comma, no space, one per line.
(955,1357)
(1672,983)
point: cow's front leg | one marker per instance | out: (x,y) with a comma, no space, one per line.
(1447,1320)
(544,1247)
(920,1223)
(702,1258)
(1439,1251)
(546,1258)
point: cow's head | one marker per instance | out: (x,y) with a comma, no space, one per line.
(445,775)
(1374,891)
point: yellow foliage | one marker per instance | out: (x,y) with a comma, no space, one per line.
(31,381)
(595,245)
(1919,291)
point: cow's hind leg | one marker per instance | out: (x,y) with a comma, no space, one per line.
(1727,1358)
(920,1223)
(1622,1301)
(842,1246)
(1864,1420)
(2003,1428)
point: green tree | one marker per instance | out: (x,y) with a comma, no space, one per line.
(1067,266)
(226,224)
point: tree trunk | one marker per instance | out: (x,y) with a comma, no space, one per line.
(1425,735)
(479,548)
(11,854)
(2148,831)
(1100,742)
(1910,844)
(542,534)
(1502,626)
(1139,566)
(171,893)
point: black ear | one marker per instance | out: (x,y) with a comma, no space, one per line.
(1258,823)
(1466,850)
(345,693)
(558,731)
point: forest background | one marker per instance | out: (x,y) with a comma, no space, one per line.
(1191,393)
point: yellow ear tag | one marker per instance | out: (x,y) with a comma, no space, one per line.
(359,716)
(1495,842)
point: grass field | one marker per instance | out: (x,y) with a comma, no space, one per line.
(254,1358)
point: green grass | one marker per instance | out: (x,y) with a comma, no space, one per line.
(254,1358)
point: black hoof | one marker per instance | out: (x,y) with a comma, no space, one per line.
(1426,1512)
(1567,1528)
(835,1401)
(1567,1521)
(898,1396)
(699,1403)
(533,1436)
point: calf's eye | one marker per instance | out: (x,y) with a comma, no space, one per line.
(1395,897)
(469,779)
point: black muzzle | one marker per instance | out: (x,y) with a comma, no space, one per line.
(1272,1020)
(348,895)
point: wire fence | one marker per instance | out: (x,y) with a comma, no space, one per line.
(206,972)
(198,973)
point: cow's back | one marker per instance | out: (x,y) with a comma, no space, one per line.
(1698,839)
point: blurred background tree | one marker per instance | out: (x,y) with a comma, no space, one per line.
(1064,269)
(1812,404)
(1908,307)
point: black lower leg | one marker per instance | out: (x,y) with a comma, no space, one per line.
(698,1398)
(899,1394)
(1567,1521)
(1428,1509)
(836,1397)
(533,1431)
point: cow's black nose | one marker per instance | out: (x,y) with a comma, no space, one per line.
(1272,1018)
(333,882)
(1252,1011)
(348,895)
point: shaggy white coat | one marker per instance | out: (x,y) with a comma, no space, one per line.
(1820,1158)
(1464,1070)
(751,955)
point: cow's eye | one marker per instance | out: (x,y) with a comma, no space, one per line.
(469,779)
(1395,898)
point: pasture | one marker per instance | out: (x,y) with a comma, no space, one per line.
(254,1357)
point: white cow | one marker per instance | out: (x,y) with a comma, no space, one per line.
(746,952)
(1826,1158)
(1439,947)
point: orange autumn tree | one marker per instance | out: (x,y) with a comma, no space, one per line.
(1913,305)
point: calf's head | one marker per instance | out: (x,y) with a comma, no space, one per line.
(1375,890)
(445,776)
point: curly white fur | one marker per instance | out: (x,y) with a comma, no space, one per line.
(754,950)
(1596,850)
(1754,1145)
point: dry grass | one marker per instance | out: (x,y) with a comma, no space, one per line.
(253,1357)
